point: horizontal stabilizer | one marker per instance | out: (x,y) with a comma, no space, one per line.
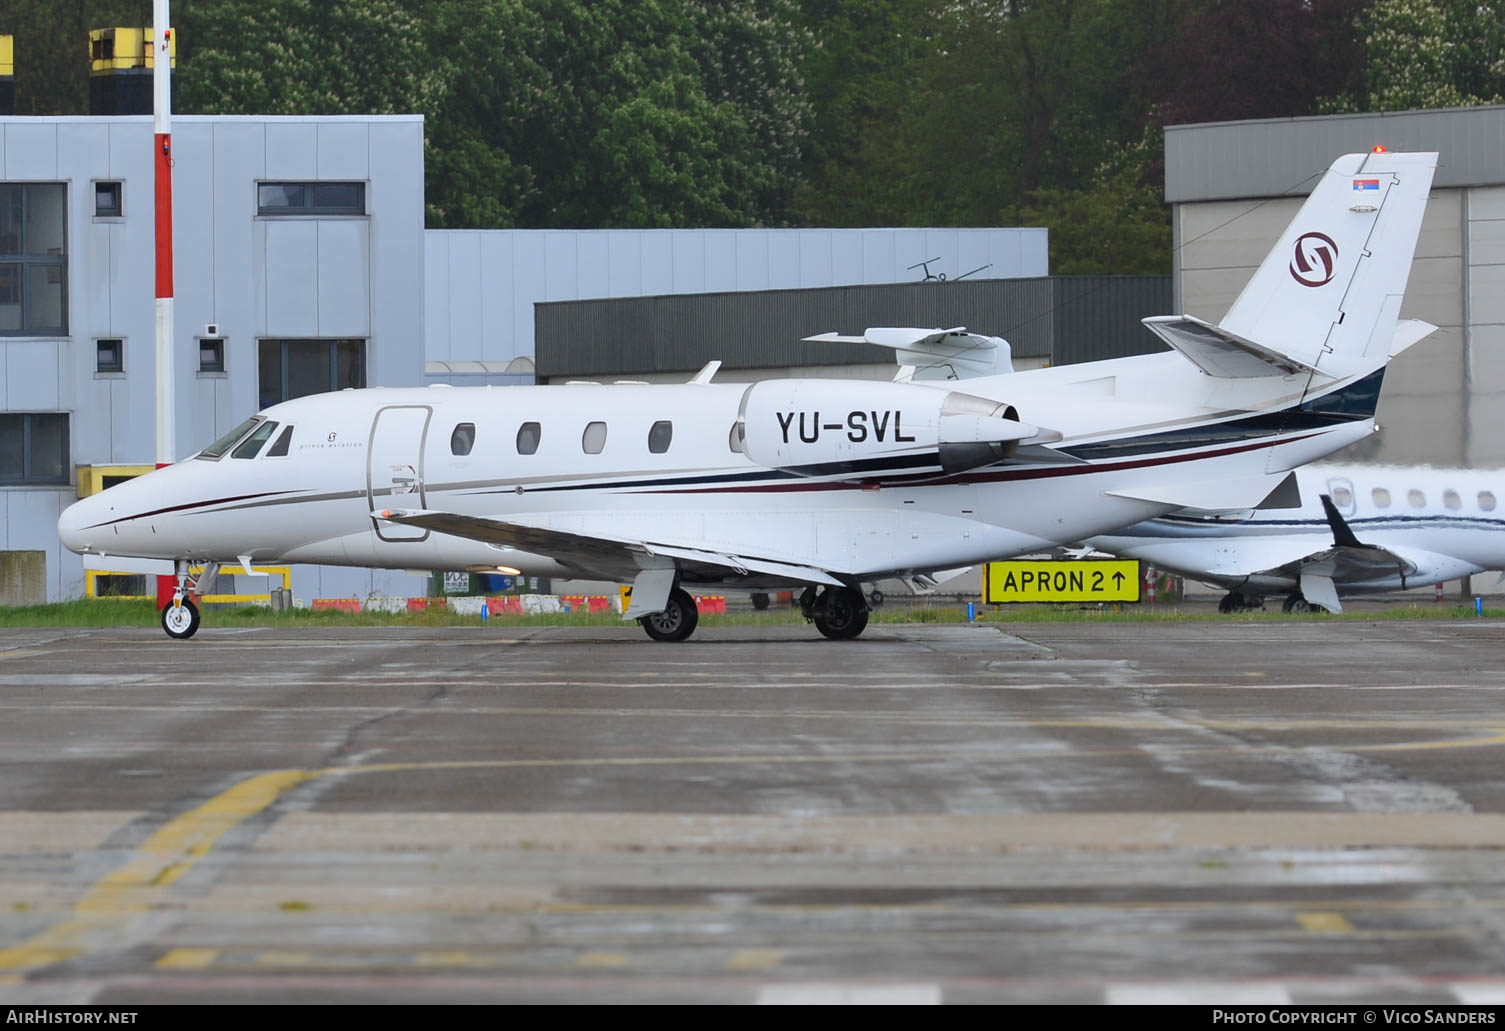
(1218,352)
(935,353)
(1210,495)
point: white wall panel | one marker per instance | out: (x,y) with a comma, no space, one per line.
(292,150)
(657,250)
(32,368)
(592,265)
(344,150)
(784,260)
(559,267)
(720,260)
(496,341)
(846,257)
(624,265)
(292,271)
(815,258)
(466,294)
(343,286)
(437,295)
(31,150)
(752,261)
(527,287)
(879,261)
(689,261)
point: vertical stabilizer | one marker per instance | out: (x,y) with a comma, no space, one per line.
(1329,293)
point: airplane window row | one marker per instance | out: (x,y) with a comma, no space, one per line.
(1417,499)
(592,441)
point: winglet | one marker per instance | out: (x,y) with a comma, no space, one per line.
(1343,535)
(705,374)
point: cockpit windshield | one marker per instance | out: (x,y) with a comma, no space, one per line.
(252,444)
(217,450)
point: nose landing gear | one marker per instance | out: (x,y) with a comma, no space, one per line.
(180,617)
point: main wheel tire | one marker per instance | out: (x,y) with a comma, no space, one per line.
(1297,603)
(841,615)
(180,621)
(676,622)
(874,598)
(760,601)
(1227,604)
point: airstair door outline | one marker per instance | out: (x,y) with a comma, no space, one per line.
(394,467)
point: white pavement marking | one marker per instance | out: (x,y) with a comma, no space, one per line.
(1479,993)
(1197,994)
(850,995)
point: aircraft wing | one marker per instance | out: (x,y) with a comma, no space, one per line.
(599,552)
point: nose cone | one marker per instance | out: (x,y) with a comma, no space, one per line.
(74,526)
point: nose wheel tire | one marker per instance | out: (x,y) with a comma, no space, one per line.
(676,622)
(181,621)
(840,615)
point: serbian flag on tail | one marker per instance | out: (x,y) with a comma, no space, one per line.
(1366,184)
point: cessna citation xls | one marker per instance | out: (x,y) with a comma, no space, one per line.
(803,482)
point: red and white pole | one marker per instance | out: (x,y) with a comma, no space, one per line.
(162,165)
(162,162)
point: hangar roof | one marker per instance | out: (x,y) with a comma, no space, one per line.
(1284,156)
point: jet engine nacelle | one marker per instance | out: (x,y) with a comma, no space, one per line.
(867,429)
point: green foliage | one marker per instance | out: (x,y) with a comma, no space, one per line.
(52,48)
(1430,54)
(293,57)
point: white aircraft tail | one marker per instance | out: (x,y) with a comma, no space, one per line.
(1327,297)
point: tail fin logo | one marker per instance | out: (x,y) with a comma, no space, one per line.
(1315,259)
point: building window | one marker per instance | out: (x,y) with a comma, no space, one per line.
(528,435)
(33,259)
(33,447)
(280,199)
(211,354)
(463,439)
(109,356)
(297,368)
(107,199)
(660,436)
(594,438)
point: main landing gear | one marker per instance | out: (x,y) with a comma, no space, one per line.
(1297,603)
(839,613)
(1237,601)
(676,622)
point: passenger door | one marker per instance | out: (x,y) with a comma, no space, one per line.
(394,467)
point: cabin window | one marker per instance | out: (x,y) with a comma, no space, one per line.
(463,439)
(1416,498)
(527,438)
(1342,497)
(594,438)
(1451,500)
(734,438)
(252,444)
(33,447)
(280,446)
(225,443)
(660,436)
(1486,501)
(1381,497)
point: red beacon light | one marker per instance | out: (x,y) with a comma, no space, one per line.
(1380,149)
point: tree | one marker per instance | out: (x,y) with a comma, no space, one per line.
(1429,54)
(293,57)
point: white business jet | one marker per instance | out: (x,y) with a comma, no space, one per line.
(1360,529)
(811,483)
